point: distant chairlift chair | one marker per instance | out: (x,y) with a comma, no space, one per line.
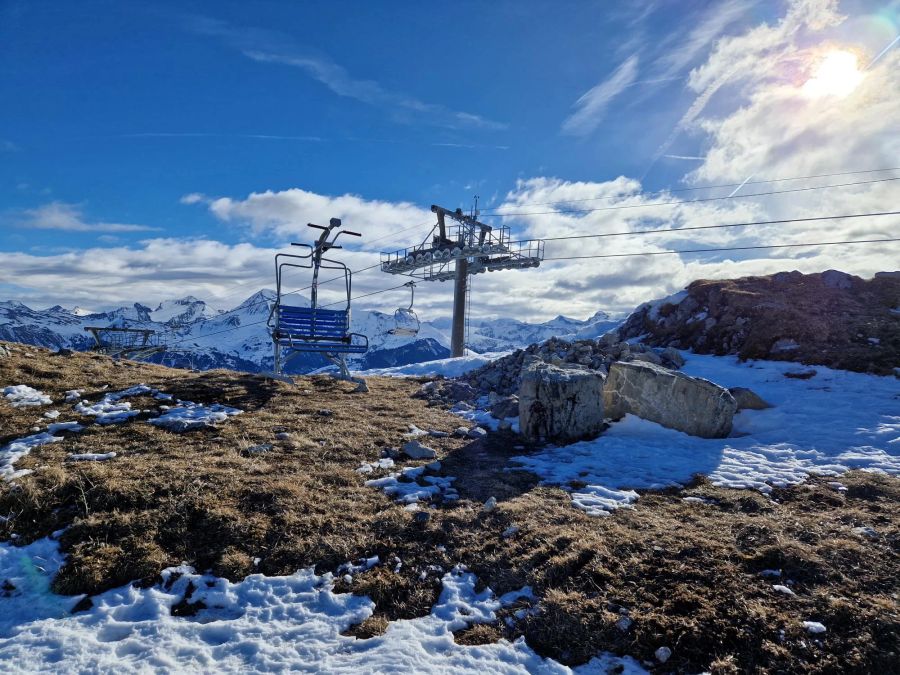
(314,329)
(406,322)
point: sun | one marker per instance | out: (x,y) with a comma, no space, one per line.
(837,75)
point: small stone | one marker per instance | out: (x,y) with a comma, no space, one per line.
(416,450)
(662,654)
(283,436)
(422,517)
(434,433)
(489,505)
(258,449)
(510,531)
(624,623)
(814,627)
(865,532)
(433,466)
(325,412)
(477,432)
(461,432)
(748,400)
(783,589)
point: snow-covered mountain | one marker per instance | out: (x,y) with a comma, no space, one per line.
(201,337)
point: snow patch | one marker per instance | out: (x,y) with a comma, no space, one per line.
(91,456)
(188,415)
(16,450)
(781,446)
(287,623)
(23,396)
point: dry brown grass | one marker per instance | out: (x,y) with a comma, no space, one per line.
(686,574)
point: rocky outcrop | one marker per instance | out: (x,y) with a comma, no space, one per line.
(503,376)
(832,319)
(675,400)
(560,403)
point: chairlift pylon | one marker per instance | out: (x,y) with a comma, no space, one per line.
(406,321)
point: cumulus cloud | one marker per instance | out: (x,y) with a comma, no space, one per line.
(592,105)
(68,217)
(768,128)
(284,214)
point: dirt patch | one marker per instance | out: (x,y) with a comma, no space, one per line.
(692,576)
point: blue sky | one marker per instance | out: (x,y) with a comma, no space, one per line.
(113,112)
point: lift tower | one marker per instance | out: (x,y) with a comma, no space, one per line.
(457,250)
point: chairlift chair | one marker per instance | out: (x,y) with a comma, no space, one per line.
(406,322)
(314,329)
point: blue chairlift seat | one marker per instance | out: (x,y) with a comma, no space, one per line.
(306,329)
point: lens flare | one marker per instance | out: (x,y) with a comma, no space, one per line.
(837,75)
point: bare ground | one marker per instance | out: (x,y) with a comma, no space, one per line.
(687,575)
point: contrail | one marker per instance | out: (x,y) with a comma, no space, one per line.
(882,52)
(738,188)
(699,159)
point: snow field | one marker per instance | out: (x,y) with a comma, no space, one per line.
(261,624)
(827,425)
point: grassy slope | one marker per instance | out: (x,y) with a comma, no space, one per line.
(687,574)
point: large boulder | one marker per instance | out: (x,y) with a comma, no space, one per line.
(675,400)
(560,403)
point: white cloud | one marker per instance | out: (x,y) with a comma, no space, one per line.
(710,26)
(285,214)
(266,46)
(592,106)
(68,217)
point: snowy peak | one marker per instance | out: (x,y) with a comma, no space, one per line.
(181,311)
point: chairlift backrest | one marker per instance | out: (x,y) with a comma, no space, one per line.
(314,329)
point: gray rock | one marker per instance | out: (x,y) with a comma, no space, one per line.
(476,432)
(675,400)
(434,433)
(4,352)
(837,279)
(489,505)
(673,356)
(865,532)
(508,406)
(258,449)
(283,436)
(647,357)
(560,404)
(461,432)
(416,450)
(747,399)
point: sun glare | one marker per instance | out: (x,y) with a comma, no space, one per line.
(837,74)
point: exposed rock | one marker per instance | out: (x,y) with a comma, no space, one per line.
(747,399)
(489,505)
(4,351)
(672,357)
(561,404)
(507,406)
(476,433)
(461,432)
(663,654)
(416,450)
(647,357)
(258,449)
(675,400)
(829,319)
